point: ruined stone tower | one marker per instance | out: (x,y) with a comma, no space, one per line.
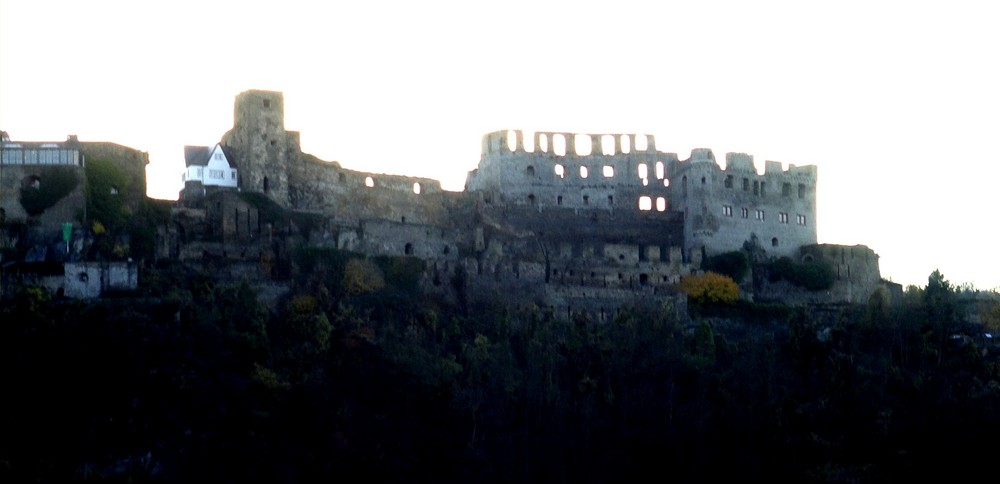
(262,147)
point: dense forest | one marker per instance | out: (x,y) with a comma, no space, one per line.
(355,375)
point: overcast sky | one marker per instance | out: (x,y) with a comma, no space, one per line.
(896,102)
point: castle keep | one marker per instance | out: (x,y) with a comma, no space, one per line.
(576,222)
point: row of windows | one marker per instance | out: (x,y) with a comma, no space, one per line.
(608,171)
(727,210)
(40,157)
(646,203)
(760,188)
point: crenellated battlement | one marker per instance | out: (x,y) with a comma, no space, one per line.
(561,143)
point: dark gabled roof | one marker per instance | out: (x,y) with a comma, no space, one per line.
(200,155)
(196,155)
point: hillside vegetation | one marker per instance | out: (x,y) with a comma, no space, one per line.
(355,375)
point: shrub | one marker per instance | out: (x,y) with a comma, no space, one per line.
(710,287)
(815,275)
(734,264)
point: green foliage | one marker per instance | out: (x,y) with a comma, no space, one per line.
(108,187)
(362,276)
(403,273)
(54,183)
(734,264)
(270,212)
(814,275)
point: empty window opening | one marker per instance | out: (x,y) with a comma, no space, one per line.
(274,142)
(583,145)
(83,277)
(593,275)
(774,241)
(342,178)
(408,250)
(643,171)
(559,145)
(560,171)
(267,103)
(645,182)
(661,204)
(641,142)
(643,279)
(583,172)
(529,142)
(608,171)
(756,187)
(530,170)
(760,215)
(620,276)
(586,199)
(369,182)
(746,184)
(543,143)
(802,191)
(659,170)
(727,210)
(402,219)
(782,218)
(417,188)
(684,185)
(702,180)
(611,199)
(266,186)
(621,256)
(729,181)
(608,145)
(559,200)
(786,189)
(531,199)
(645,203)
(447,250)
(512,140)
(666,182)
(763,190)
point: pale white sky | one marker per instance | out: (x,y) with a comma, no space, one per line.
(896,102)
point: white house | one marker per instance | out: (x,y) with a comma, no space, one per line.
(210,166)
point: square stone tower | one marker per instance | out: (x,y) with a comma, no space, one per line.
(261,145)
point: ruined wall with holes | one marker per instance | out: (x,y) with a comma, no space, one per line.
(725,207)
(582,171)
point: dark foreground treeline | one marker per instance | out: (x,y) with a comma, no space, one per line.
(353,377)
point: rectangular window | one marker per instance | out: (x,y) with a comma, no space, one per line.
(201,173)
(729,181)
(217,174)
(756,188)
(218,156)
(782,218)
(760,215)
(727,210)
(800,219)
(232,175)
(802,190)
(745,212)
(786,189)
(746,184)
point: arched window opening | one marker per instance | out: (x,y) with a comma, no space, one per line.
(645,203)
(661,204)
(560,171)
(643,171)
(583,144)
(531,199)
(530,170)
(583,172)
(408,250)
(369,182)
(659,170)
(417,188)
(559,145)
(774,241)
(608,171)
